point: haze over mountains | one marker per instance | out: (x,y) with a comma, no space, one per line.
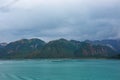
(61,48)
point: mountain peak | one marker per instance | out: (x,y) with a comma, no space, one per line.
(62,39)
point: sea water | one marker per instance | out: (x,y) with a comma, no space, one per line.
(60,69)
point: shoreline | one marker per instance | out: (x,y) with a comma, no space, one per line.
(62,59)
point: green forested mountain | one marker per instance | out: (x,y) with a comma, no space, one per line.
(113,43)
(89,50)
(61,48)
(23,48)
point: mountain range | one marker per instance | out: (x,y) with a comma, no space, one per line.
(61,48)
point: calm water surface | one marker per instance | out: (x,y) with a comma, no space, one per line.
(60,70)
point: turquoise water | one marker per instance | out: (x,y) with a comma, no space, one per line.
(60,70)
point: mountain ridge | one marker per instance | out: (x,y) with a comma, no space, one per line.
(60,48)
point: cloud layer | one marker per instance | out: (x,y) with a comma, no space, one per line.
(52,19)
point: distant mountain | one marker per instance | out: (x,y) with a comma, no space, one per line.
(89,50)
(3,45)
(113,43)
(61,48)
(23,48)
(2,49)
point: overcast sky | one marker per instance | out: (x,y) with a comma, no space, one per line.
(53,19)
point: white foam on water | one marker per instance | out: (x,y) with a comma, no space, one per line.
(14,77)
(25,78)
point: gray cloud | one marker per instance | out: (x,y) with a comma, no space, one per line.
(5,5)
(52,19)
